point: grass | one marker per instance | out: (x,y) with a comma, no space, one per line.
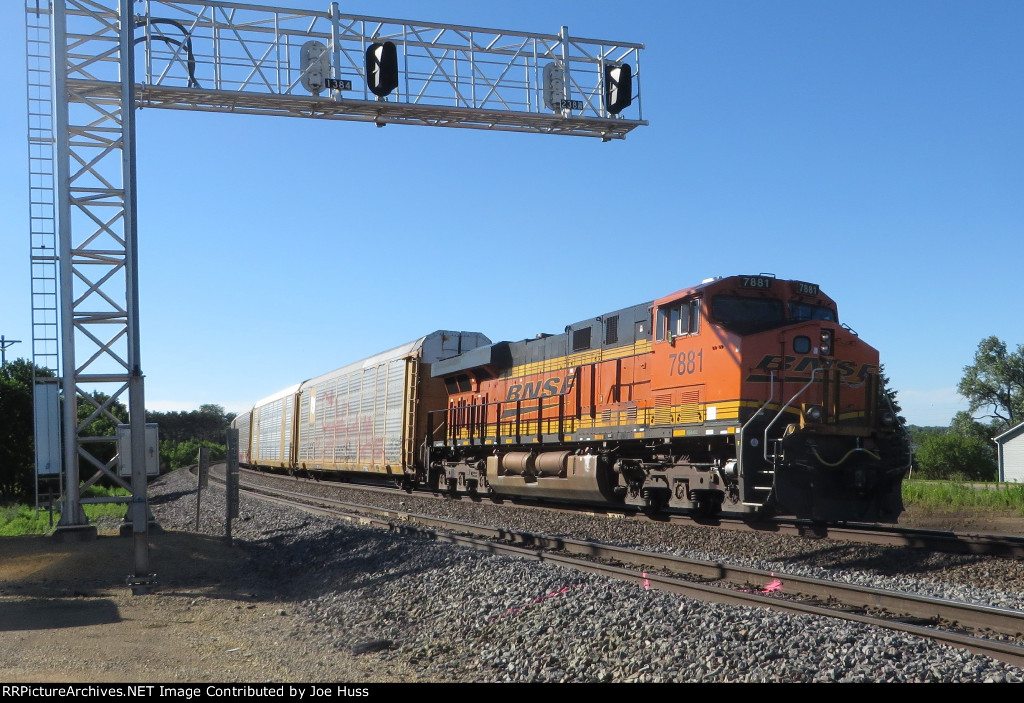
(18,520)
(962,495)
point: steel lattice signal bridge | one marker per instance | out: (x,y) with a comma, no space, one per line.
(227,57)
(92,63)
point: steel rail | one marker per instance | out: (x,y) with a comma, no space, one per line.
(944,541)
(736,585)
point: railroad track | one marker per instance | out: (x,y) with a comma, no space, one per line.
(943,541)
(994,632)
(933,540)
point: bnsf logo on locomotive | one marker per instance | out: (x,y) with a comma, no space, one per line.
(540,389)
(807,364)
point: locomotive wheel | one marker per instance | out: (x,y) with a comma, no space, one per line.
(708,506)
(433,480)
(655,500)
(706,503)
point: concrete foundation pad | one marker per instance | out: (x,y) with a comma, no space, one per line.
(74,533)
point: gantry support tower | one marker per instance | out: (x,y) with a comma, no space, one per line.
(91,63)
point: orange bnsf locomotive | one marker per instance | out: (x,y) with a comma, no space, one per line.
(739,395)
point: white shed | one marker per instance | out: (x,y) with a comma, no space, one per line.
(1011,454)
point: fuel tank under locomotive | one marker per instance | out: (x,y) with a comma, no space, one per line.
(554,475)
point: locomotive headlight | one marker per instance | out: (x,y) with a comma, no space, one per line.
(814,413)
(887,419)
(825,348)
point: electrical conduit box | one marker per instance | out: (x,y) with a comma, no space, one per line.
(124,450)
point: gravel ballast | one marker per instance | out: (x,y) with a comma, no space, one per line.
(447,613)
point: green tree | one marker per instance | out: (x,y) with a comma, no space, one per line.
(183,432)
(180,454)
(953,456)
(889,394)
(17,451)
(995,381)
(966,426)
(918,434)
(206,424)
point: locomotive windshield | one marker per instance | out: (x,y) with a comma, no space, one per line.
(801,312)
(745,315)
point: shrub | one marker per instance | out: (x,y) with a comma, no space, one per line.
(954,456)
(176,455)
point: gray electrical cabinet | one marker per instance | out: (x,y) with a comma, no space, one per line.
(124,450)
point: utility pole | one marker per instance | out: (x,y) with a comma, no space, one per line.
(4,343)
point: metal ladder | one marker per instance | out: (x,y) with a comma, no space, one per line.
(45,257)
(42,189)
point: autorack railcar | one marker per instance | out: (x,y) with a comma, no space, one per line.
(365,418)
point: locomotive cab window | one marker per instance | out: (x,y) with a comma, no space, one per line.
(802,312)
(746,315)
(678,319)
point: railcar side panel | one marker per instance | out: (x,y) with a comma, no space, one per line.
(243,423)
(355,419)
(273,430)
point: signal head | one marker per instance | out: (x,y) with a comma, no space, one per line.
(382,68)
(618,88)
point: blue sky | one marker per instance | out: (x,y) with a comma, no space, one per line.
(874,148)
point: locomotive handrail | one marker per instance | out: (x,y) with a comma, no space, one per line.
(783,409)
(472,419)
(771,397)
(743,430)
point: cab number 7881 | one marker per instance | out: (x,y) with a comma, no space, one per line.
(686,362)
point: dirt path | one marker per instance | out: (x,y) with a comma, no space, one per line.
(67,615)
